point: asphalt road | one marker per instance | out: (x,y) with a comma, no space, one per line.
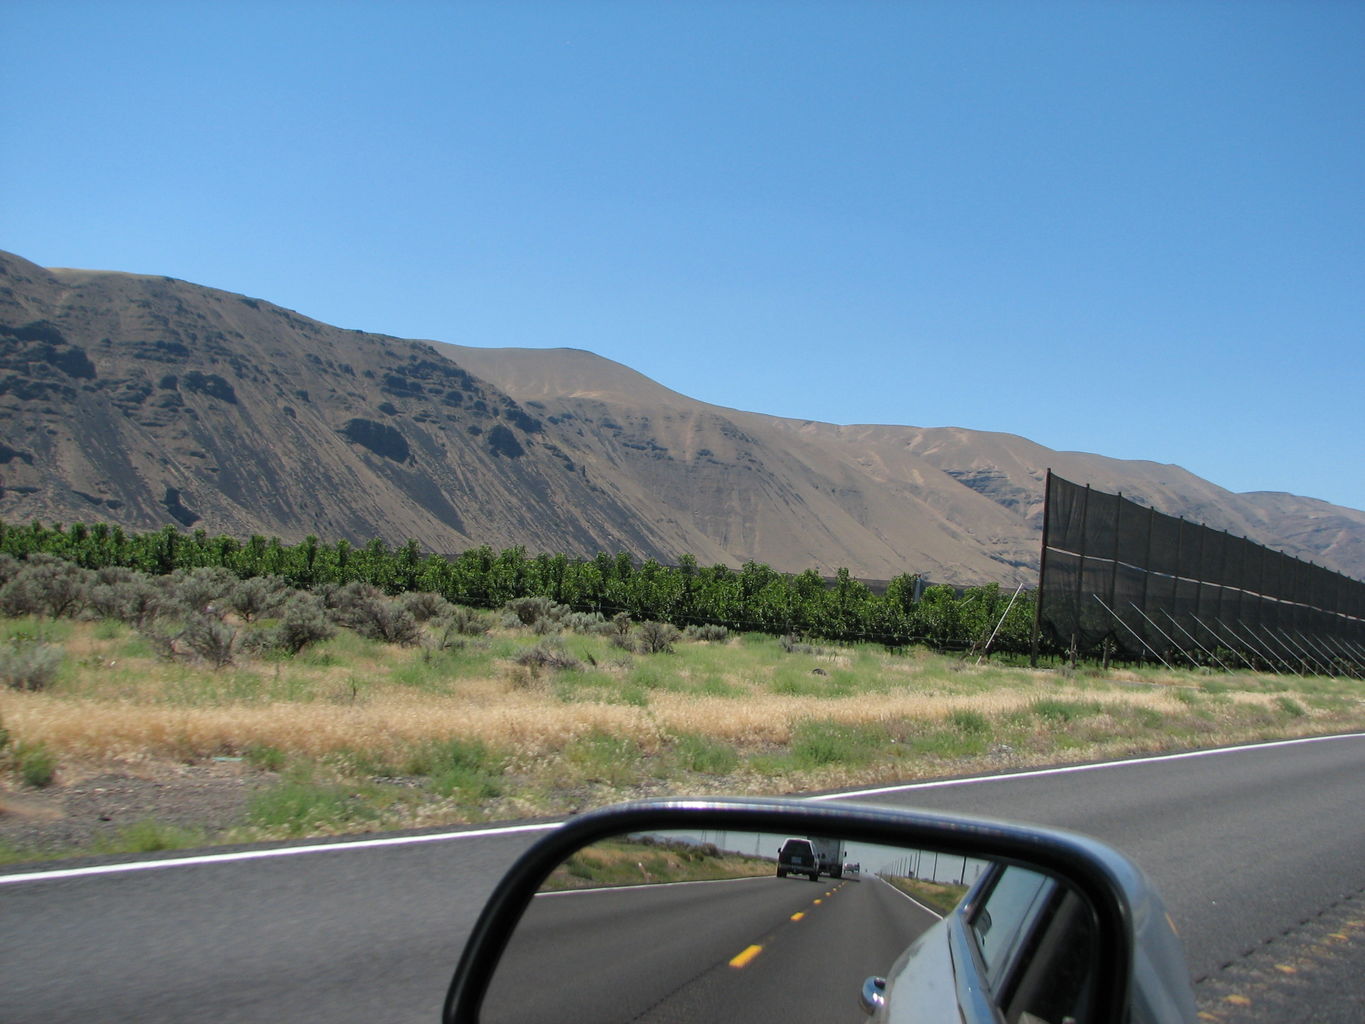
(1242,844)
(1246,845)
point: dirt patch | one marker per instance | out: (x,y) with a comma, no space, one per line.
(207,798)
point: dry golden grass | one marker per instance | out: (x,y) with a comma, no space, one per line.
(387,721)
(740,717)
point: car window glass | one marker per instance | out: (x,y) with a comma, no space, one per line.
(1003,919)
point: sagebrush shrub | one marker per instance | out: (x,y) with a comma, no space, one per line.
(466,621)
(588,622)
(792,645)
(303,622)
(348,603)
(657,637)
(425,606)
(546,654)
(539,613)
(386,620)
(46,585)
(111,574)
(257,596)
(161,642)
(707,631)
(211,639)
(133,601)
(204,590)
(29,664)
(530,610)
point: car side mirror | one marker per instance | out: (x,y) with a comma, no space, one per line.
(758,908)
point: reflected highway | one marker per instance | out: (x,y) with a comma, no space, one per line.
(754,949)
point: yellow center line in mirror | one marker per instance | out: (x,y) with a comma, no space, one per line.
(798,915)
(742,960)
(818,901)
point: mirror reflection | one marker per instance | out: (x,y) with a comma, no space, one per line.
(708,926)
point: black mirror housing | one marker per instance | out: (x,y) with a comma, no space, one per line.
(1139,972)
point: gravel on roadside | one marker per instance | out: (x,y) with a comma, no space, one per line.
(207,797)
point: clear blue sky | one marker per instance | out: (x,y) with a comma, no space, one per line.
(1132,228)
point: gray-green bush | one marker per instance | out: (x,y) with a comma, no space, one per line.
(303,622)
(657,637)
(425,606)
(546,654)
(257,596)
(28,663)
(203,590)
(45,585)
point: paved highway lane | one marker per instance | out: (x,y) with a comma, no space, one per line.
(360,933)
(1243,843)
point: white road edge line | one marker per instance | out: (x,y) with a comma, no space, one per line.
(502,830)
(287,851)
(902,893)
(1068,769)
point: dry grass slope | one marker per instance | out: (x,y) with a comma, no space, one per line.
(356,734)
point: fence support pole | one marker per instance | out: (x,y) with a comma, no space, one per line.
(1265,652)
(1137,636)
(1323,646)
(1165,636)
(1302,670)
(1354,655)
(1182,629)
(985,650)
(1233,647)
(1324,668)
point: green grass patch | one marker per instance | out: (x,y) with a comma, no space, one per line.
(34,763)
(705,755)
(264,758)
(300,807)
(110,629)
(655,675)
(794,681)
(32,628)
(583,684)
(947,743)
(1148,718)
(1290,707)
(342,648)
(461,768)
(969,723)
(149,836)
(435,671)
(603,757)
(1063,712)
(939,896)
(817,743)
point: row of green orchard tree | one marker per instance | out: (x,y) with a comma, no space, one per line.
(752,598)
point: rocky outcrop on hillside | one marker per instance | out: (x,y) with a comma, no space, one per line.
(146,401)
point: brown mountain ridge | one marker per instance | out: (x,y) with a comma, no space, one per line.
(144,400)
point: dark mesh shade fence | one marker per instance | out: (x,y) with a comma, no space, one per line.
(1153,585)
